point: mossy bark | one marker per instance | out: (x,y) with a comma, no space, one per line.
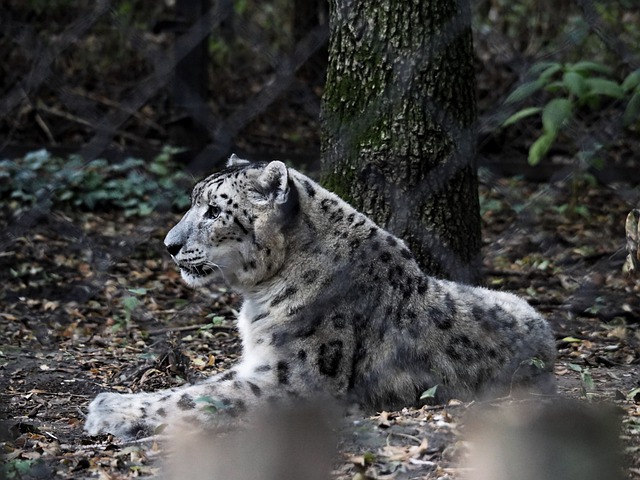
(399,112)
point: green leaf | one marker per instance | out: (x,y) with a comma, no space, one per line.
(130,303)
(430,393)
(36,159)
(632,81)
(516,117)
(555,87)
(598,164)
(144,209)
(587,67)
(631,113)
(571,340)
(167,152)
(582,210)
(543,265)
(98,164)
(541,67)
(540,147)
(204,399)
(18,468)
(555,114)
(212,405)
(158,168)
(602,86)
(126,165)
(575,83)
(633,394)
(536,362)
(550,71)
(524,91)
(587,380)
(159,429)
(574,367)
(137,291)
(215,319)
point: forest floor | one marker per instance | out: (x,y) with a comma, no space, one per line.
(92,302)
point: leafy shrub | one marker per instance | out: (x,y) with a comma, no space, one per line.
(572,86)
(135,186)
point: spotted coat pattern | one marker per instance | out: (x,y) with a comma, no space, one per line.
(332,304)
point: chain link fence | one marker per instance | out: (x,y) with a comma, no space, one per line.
(114,78)
(111,79)
(121,80)
(118,79)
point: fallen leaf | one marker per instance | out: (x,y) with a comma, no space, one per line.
(383,420)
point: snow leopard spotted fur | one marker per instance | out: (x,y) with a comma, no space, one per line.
(332,304)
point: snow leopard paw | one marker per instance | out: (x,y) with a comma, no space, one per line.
(124,416)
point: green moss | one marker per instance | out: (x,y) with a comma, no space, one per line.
(340,182)
(398,100)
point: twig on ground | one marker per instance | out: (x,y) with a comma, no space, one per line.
(220,328)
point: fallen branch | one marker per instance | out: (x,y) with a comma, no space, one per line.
(187,328)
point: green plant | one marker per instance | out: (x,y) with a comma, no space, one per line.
(587,388)
(129,303)
(134,186)
(211,405)
(631,87)
(634,394)
(536,362)
(488,204)
(216,321)
(430,393)
(18,468)
(572,86)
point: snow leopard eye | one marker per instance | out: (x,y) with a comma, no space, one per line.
(212,212)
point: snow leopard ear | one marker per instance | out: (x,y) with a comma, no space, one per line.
(235,161)
(272,186)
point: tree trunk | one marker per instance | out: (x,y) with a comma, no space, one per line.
(399,114)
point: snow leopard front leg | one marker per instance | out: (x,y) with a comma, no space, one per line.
(218,399)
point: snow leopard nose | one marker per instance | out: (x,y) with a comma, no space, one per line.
(174,248)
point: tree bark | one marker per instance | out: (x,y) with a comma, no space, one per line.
(399,113)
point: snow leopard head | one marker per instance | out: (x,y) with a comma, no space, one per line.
(235,224)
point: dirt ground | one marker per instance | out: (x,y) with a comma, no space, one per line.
(91,302)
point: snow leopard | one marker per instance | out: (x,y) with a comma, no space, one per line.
(332,304)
